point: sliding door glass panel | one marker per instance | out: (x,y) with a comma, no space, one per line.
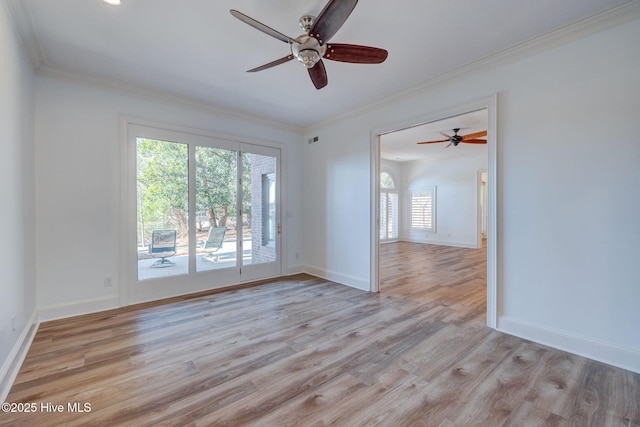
(162,180)
(259,209)
(217,227)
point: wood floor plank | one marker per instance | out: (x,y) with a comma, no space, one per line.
(304,351)
(306,407)
(500,392)
(433,402)
(557,383)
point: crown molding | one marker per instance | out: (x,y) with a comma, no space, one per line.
(627,12)
(57,72)
(23,26)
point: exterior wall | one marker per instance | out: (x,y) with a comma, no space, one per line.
(260,167)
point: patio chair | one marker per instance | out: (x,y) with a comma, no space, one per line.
(213,243)
(163,245)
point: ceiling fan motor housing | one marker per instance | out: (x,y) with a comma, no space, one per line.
(307,50)
(455,139)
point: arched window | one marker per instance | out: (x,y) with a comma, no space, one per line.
(386,181)
(388,208)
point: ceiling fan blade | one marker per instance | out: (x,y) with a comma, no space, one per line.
(272,64)
(475,135)
(448,145)
(334,14)
(318,74)
(432,142)
(474,141)
(355,53)
(445,135)
(260,26)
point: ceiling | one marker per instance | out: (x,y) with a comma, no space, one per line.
(195,49)
(401,145)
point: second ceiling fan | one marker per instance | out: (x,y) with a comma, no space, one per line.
(455,139)
(314,45)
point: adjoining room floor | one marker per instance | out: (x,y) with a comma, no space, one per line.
(437,275)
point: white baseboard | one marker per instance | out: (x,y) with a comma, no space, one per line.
(12,365)
(295,269)
(592,349)
(77,308)
(455,244)
(343,279)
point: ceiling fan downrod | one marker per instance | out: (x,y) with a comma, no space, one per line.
(306,22)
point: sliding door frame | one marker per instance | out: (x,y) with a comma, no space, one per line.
(133,291)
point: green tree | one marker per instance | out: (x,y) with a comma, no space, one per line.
(216,184)
(163,170)
(162,173)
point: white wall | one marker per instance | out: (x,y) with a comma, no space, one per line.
(78,202)
(17,251)
(336,205)
(568,199)
(456,182)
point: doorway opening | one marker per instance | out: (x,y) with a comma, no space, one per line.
(446,242)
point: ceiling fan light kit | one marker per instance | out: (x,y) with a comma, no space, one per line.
(311,47)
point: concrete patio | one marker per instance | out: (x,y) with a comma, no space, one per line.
(226,258)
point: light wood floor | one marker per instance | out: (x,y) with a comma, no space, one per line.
(304,351)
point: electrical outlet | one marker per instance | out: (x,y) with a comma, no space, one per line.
(108,282)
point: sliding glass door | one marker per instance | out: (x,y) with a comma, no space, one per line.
(207,212)
(217,225)
(162,204)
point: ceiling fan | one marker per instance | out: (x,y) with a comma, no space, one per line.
(456,139)
(311,47)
